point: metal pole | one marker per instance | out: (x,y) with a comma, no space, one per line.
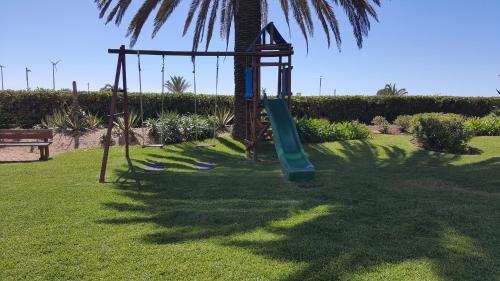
(27,79)
(53,77)
(320,84)
(1,71)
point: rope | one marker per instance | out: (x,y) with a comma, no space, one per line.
(140,96)
(162,92)
(162,81)
(216,92)
(193,59)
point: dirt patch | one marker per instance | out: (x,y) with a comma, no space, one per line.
(393,130)
(61,143)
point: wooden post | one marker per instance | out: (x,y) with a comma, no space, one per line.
(74,95)
(280,78)
(253,112)
(112,112)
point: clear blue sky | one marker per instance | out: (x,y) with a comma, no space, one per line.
(445,47)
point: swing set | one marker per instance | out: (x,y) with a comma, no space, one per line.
(257,55)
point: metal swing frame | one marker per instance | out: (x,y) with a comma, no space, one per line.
(261,49)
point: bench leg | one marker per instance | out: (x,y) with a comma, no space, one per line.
(42,153)
(46,154)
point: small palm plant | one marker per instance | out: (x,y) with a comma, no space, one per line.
(177,84)
(391,90)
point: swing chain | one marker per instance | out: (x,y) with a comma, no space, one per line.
(140,96)
(216,93)
(193,59)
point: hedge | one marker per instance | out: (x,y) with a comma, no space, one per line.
(365,108)
(27,108)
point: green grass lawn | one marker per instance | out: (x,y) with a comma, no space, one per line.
(386,211)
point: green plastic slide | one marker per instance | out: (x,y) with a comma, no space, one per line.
(294,162)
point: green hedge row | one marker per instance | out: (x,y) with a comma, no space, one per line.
(365,108)
(27,108)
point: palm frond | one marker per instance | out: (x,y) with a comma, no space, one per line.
(166,9)
(139,19)
(358,12)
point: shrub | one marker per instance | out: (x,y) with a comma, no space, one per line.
(314,130)
(352,130)
(442,132)
(172,128)
(381,123)
(320,130)
(485,126)
(403,122)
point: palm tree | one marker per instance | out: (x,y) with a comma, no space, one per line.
(391,90)
(248,16)
(177,84)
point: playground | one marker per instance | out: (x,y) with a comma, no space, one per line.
(386,211)
(260,184)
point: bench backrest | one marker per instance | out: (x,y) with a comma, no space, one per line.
(16,134)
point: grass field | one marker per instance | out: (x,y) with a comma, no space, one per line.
(386,211)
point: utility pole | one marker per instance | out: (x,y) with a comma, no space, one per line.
(88,87)
(54,69)
(1,71)
(27,79)
(320,84)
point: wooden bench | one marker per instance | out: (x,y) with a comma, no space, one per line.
(20,137)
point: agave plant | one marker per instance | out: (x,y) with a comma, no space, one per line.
(75,123)
(72,123)
(119,128)
(177,84)
(223,119)
(391,90)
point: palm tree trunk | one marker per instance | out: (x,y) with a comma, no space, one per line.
(247,24)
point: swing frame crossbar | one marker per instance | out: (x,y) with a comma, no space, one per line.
(259,50)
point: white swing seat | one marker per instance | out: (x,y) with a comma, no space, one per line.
(152,145)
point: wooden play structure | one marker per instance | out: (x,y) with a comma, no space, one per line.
(269,49)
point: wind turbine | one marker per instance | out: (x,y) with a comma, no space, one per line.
(27,79)
(1,71)
(54,69)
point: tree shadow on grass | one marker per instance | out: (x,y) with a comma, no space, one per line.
(380,207)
